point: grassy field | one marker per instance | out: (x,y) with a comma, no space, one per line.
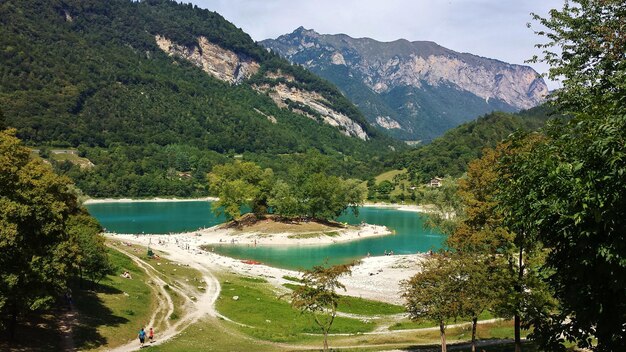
(72,158)
(264,313)
(313,235)
(114,312)
(361,306)
(212,335)
(262,318)
(401,186)
(406,324)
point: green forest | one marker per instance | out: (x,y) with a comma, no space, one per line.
(450,154)
(89,75)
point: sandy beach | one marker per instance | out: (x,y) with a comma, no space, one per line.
(403,207)
(153,200)
(374,278)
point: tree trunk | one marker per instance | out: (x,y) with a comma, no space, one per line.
(518,288)
(474,323)
(325,341)
(442,330)
(12,325)
(518,335)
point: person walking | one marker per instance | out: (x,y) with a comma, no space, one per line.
(151,335)
(142,337)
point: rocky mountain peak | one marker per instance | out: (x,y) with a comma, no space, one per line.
(420,80)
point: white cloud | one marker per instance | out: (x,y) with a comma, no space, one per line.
(490,28)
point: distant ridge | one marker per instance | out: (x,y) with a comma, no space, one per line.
(415,90)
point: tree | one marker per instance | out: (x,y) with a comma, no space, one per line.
(327,197)
(315,195)
(318,295)
(570,194)
(384,188)
(448,208)
(570,188)
(434,293)
(285,201)
(479,285)
(591,58)
(35,205)
(512,257)
(240,184)
(91,259)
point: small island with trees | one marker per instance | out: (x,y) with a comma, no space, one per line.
(299,208)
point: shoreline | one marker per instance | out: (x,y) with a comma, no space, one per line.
(217,236)
(146,200)
(401,207)
(377,277)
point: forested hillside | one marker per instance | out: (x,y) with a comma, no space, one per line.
(89,75)
(450,154)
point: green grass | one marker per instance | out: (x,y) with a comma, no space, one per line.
(118,307)
(408,324)
(271,317)
(176,273)
(253,279)
(72,158)
(313,235)
(389,175)
(209,335)
(292,278)
(361,306)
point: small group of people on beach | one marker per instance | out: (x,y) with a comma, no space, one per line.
(388,253)
(142,336)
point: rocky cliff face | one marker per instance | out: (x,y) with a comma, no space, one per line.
(231,67)
(427,87)
(310,104)
(214,60)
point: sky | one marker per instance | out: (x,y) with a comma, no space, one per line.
(490,28)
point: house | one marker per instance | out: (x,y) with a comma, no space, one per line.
(435,182)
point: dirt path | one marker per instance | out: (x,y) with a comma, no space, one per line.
(192,309)
(67,321)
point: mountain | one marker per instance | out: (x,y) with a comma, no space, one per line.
(153,89)
(415,90)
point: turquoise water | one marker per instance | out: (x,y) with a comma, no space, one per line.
(154,217)
(143,217)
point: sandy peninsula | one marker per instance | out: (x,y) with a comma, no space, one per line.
(375,278)
(257,236)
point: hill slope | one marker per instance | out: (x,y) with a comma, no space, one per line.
(415,90)
(449,154)
(154,89)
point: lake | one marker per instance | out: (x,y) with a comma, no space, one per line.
(165,217)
